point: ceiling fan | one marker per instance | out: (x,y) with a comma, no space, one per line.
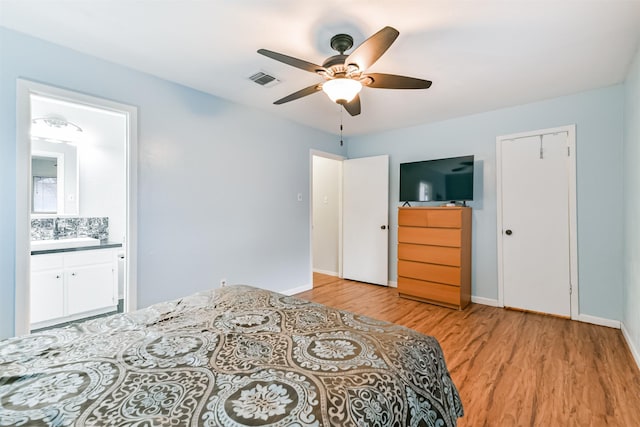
(344,75)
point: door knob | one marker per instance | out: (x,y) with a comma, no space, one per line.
(383,227)
(508,232)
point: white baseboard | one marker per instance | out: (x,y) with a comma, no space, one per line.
(297,290)
(392,284)
(327,272)
(634,350)
(485,301)
(598,321)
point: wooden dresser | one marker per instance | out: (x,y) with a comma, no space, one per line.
(434,255)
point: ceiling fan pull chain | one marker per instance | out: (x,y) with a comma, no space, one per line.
(541,153)
(341,126)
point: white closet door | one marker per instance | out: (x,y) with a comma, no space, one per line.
(535,219)
(365,219)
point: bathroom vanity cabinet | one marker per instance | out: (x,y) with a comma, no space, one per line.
(68,286)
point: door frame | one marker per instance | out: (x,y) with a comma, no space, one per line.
(339,158)
(572,200)
(24,90)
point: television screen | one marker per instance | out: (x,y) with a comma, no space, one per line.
(437,180)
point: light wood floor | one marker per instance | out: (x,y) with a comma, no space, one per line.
(512,368)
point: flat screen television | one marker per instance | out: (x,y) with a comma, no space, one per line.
(437,180)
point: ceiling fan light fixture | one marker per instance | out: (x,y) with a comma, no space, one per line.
(342,90)
(55,129)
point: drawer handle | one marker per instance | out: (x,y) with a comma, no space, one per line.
(57,276)
(508,232)
(73,274)
(383,227)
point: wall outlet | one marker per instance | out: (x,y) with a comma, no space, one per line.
(223,283)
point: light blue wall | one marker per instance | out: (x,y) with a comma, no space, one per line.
(598,116)
(217,182)
(631,318)
(217,196)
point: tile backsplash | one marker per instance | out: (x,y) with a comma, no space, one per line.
(44,228)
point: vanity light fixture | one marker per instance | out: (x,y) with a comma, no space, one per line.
(55,129)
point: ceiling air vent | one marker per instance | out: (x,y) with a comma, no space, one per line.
(264,79)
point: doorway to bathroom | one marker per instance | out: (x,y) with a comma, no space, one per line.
(76,207)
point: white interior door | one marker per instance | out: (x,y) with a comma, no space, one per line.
(365,219)
(535,223)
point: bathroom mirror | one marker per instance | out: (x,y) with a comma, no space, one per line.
(54,178)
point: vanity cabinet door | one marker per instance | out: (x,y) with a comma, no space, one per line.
(72,285)
(47,295)
(90,287)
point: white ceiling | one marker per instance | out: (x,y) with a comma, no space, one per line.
(481,55)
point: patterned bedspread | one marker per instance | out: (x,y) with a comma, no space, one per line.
(228,357)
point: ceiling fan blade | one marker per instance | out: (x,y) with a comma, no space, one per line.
(294,62)
(391,81)
(353,107)
(372,48)
(299,94)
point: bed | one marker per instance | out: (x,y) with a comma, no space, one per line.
(232,356)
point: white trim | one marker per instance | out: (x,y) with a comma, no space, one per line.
(601,321)
(392,284)
(340,215)
(24,90)
(297,290)
(485,301)
(327,272)
(23,208)
(326,155)
(573,221)
(499,220)
(635,352)
(131,253)
(573,227)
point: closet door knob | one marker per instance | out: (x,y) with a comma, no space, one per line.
(508,232)
(383,227)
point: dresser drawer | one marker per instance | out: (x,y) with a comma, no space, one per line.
(434,217)
(431,254)
(430,236)
(435,292)
(434,272)
(445,218)
(412,217)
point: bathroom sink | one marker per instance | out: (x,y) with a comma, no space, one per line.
(76,242)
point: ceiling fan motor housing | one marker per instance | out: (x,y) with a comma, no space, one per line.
(341,43)
(336,64)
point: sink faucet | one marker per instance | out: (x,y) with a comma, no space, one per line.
(56,230)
